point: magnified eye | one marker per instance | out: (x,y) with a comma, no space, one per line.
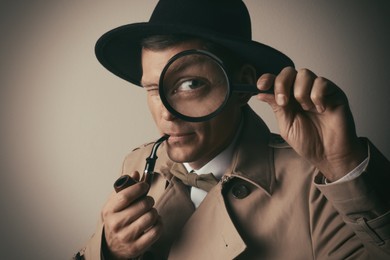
(189,85)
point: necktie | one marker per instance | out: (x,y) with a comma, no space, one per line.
(201,181)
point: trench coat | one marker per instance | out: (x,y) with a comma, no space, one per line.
(270,204)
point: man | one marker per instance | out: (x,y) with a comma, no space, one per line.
(321,193)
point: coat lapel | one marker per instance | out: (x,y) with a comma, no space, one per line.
(253,160)
(173,205)
(209,233)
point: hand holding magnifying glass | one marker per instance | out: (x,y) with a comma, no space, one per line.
(194,86)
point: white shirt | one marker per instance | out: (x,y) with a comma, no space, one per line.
(217,166)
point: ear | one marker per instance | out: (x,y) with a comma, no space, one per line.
(246,75)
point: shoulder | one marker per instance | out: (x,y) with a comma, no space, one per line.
(143,147)
(285,156)
(135,160)
(142,150)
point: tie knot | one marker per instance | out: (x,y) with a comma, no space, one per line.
(201,181)
(192,178)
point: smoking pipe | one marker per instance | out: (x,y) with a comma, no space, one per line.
(125,180)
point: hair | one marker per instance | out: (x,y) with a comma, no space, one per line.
(161,42)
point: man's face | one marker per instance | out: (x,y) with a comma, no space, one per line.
(196,143)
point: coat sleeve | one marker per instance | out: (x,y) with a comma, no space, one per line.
(92,249)
(364,204)
(133,161)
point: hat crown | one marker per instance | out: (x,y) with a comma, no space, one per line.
(227,17)
(224,22)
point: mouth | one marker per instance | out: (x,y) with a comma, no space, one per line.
(179,137)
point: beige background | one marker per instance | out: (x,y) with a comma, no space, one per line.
(66,123)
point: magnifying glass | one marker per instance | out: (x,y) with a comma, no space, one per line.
(195,87)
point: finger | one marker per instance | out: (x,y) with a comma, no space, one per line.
(142,224)
(120,226)
(326,94)
(135,175)
(283,85)
(149,237)
(132,213)
(303,87)
(266,81)
(124,198)
(125,246)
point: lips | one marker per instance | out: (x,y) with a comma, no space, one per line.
(179,134)
(176,137)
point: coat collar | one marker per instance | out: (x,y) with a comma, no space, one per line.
(253,158)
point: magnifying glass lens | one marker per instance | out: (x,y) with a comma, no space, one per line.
(194,85)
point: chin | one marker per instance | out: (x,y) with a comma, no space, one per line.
(181,155)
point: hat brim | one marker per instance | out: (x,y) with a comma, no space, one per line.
(119,50)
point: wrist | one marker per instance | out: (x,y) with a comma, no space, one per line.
(337,167)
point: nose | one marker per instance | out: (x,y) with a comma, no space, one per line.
(165,114)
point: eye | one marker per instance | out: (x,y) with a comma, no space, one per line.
(189,85)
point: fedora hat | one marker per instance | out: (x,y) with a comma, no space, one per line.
(224,22)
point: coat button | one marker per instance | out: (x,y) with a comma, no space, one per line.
(240,191)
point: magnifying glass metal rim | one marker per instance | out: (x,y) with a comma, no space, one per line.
(165,101)
(243,88)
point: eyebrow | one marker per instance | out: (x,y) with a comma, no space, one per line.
(177,68)
(148,84)
(187,61)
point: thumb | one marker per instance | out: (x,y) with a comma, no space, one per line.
(266,82)
(269,99)
(135,175)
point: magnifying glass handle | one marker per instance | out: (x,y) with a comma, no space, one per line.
(246,88)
